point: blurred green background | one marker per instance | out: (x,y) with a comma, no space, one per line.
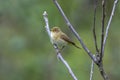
(27,54)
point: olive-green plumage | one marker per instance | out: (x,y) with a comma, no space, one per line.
(60,38)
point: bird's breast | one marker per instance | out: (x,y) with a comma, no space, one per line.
(56,37)
(53,35)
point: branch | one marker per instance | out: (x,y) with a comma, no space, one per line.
(94,28)
(56,47)
(92,69)
(68,67)
(102,72)
(108,25)
(74,31)
(103,25)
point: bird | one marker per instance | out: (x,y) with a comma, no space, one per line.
(60,38)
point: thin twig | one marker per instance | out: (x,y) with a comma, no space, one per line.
(74,31)
(94,28)
(103,25)
(56,47)
(92,70)
(108,25)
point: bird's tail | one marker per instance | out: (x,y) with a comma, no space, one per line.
(75,45)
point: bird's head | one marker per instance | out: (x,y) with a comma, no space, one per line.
(55,29)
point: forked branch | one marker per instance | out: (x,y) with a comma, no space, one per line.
(98,62)
(108,24)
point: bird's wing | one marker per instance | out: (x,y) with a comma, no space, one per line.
(67,39)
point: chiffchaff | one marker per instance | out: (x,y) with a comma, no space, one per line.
(60,38)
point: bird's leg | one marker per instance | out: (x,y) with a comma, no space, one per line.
(62,48)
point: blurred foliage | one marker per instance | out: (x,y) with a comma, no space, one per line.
(27,54)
